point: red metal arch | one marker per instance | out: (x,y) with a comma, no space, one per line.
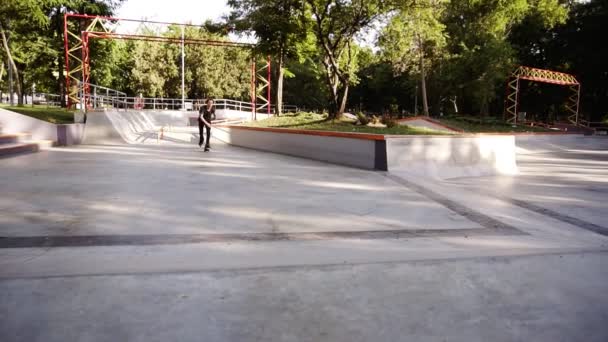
(103,27)
(544,76)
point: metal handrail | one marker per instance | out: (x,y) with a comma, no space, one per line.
(103,97)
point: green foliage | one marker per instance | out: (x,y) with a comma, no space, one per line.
(318,122)
(468,49)
(308,88)
(389,121)
(281,26)
(53,115)
(414,30)
(471,124)
(482,55)
(282,29)
(362,118)
(336,25)
(573,47)
(155,72)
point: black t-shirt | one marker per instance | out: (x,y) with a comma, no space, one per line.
(206,114)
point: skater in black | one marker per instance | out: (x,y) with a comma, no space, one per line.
(205,113)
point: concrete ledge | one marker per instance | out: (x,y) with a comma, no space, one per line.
(71,134)
(365,151)
(444,157)
(430,156)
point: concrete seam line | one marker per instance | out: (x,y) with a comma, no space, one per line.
(553,214)
(471,214)
(174,239)
(524,253)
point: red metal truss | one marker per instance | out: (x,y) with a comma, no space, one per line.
(544,76)
(176,40)
(77,53)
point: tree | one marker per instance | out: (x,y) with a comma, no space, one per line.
(573,47)
(415,38)
(482,54)
(281,28)
(154,67)
(14,16)
(336,23)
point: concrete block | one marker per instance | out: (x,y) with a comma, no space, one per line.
(453,156)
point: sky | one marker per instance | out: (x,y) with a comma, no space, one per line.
(179,11)
(185,11)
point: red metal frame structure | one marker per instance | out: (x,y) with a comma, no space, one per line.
(544,76)
(101,27)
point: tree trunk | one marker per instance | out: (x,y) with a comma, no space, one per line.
(280,85)
(483,108)
(332,83)
(454,102)
(343,101)
(338,99)
(425,103)
(11,64)
(1,72)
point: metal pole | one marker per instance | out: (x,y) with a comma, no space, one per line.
(67,60)
(252,87)
(183,79)
(85,72)
(269,102)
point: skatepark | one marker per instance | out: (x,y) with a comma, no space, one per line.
(248,234)
(429,171)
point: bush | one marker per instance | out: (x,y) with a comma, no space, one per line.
(375,120)
(363,119)
(389,121)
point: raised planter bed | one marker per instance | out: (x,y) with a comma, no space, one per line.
(437,156)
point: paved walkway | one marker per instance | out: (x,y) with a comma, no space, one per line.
(157,243)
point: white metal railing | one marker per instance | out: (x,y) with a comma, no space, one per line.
(103,97)
(48,100)
(39,99)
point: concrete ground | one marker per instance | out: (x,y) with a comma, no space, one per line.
(165,242)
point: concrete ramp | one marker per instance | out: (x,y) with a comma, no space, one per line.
(137,127)
(529,144)
(141,127)
(428,123)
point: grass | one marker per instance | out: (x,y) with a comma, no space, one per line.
(319,122)
(488,125)
(53,115)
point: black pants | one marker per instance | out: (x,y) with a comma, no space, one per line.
(201,127)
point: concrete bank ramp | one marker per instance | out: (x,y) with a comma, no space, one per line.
(137,127)
(427,123)
(528,144)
